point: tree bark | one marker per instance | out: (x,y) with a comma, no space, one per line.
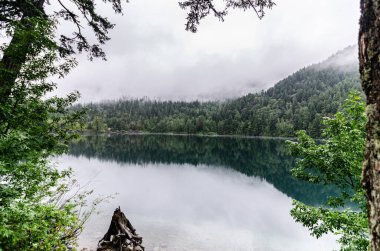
(369,58)
(16,53)
(121,235)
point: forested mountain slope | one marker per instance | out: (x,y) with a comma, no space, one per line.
(297,102)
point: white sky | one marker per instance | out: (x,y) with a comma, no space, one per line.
(150,53)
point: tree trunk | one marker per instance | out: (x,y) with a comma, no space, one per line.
(369,58)
(121,235)
(16,53)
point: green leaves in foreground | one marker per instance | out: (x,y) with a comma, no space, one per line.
(37,226)
(351,226)
(36,211)
(335,161)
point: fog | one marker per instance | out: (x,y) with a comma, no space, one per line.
(186,207)
(151,54)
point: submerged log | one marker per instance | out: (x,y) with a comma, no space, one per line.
(121,235)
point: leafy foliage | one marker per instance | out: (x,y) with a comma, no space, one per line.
(76,13)
(34,214)
(199,9)
(336,161)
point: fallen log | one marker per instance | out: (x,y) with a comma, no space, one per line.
(121,235)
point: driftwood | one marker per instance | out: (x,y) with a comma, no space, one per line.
(121,235)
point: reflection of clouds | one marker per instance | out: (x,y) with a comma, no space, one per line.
(184,207)
(151,54)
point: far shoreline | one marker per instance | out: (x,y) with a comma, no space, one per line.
(211,135)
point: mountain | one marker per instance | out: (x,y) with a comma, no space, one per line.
(297,102)
(345,60)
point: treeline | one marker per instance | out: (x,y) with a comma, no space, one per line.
(300,101)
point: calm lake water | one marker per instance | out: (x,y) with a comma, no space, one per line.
(197,193)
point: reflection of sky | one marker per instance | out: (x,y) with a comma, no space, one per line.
(183,207)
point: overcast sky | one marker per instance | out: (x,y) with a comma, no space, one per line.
(151,55)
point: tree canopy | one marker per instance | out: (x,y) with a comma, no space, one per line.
(336,161)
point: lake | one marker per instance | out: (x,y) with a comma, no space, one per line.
(196,193)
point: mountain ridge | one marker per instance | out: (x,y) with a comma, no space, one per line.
(298,102)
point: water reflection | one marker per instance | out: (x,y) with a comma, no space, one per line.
(268,159)
(196,193)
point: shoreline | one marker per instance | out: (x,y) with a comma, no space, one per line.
(89,133)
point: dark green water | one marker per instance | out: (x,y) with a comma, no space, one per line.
(266,158)
(197,193)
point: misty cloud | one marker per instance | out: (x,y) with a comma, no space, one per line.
(151,54)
